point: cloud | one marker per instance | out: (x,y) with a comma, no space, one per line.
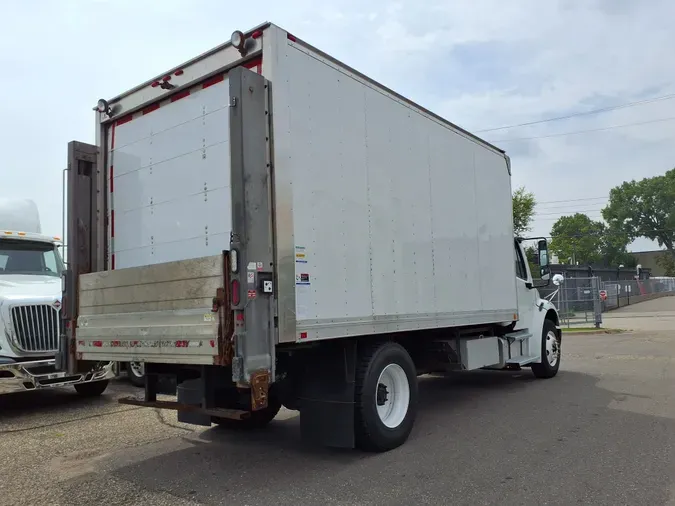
(481,64)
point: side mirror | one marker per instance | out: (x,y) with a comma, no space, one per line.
(544,269)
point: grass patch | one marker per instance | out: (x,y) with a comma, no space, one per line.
(590,330)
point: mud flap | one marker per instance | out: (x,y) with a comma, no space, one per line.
(327,396)
(191,392)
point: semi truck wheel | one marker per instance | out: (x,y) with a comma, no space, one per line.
(93,389)
(136,373)
(386,397)
(550,352)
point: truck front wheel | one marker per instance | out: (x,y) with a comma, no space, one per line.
(92,389)
(386,397)
(550,352)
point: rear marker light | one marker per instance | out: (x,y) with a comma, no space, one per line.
(166,78)
(155,84)
(234,261)
(257,34)
(235,293)
(178,73)
(291,37)
(303,335)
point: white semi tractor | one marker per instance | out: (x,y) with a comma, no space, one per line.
(30,303)
(270,227)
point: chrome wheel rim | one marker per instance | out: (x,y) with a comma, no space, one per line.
(552,349)
(137,369)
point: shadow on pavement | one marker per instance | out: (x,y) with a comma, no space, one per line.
(480,438)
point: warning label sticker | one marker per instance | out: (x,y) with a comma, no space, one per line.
(300,255)
(302,279)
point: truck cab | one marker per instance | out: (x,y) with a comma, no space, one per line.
(30,304)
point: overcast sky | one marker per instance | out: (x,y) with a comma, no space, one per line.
(479,63)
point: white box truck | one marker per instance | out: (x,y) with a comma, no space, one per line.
(271,227)
(30,302)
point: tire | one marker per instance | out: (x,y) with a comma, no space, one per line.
(258,419)
(93,389)
(550,352)
(136,373)
(386,397)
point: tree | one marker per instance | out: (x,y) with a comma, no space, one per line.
(523,210)
(614,248)
(644,208)
(667,263)
(577,239)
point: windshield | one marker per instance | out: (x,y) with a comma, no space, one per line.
(29,258)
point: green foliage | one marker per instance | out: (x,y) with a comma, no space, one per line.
(644,208)
(523,210)
(614,250)
(578,238)
(667,262)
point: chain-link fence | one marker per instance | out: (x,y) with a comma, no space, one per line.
(578,301)
(622,293)
(581,301)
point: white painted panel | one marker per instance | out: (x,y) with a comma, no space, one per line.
(454,221)
(494,214)
(172,193)
(405,222)
(330,196)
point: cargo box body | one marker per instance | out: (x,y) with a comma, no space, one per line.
(375,215)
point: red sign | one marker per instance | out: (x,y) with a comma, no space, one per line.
(603,294)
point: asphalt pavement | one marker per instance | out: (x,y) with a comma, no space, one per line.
(601,433)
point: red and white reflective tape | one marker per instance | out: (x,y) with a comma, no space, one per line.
(255,65)
(111,199)
(160,343)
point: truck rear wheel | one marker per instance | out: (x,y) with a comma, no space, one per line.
(550,352)
(93,389)
(386,397)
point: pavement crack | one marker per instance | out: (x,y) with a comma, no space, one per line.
(161,420)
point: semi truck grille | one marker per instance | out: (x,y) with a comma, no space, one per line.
(36,327)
